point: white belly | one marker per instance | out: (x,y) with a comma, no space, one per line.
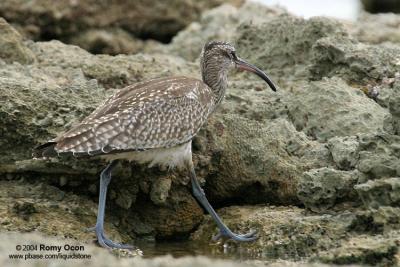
(165,157)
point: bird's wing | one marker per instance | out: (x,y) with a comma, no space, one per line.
(157,113)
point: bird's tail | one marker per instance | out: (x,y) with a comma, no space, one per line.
(45,150)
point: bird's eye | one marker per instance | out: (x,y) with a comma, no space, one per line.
(233,55)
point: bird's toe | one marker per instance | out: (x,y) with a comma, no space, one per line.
(113,244)
(248,237)
(106,242)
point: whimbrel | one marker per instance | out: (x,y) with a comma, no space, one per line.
(154,122)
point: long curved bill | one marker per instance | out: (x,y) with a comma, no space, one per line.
(243,65)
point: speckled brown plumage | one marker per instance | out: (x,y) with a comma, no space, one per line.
(158,113)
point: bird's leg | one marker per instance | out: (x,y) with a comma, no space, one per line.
(224,231)
(105,178)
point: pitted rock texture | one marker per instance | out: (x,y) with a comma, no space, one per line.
(109,71)
(376,28)
(268,166)
(218,24)
(382,192)
(321,189)
(344,151)
(330,108)
(287,43)
(357,62)
(379,155)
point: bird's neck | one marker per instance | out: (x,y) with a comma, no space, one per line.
(216,78)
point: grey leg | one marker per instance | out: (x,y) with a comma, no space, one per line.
(105,178)
(224,231)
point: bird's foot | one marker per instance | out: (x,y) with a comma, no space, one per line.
(228,234)
(106,242)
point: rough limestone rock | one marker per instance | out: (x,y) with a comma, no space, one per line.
(344,151)
(11,47)
(375,251)
(382,192)
(289,232)
(129,217)
(111,41)
(28,93)
(391,99)
(285,45)
(218,24)
(356,62)
(159,20)
(321,189)
(329,108)
(284,232)
(376,28)
(49,210)
(314,48)
(269,165)
(160,190)
(379,155)
(376,221)
(115,72)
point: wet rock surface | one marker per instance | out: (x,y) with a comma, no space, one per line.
(292,233)
(325,148)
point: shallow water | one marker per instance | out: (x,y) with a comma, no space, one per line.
(229,251)
(187,248)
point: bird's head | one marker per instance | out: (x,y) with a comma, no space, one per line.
(219,55)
